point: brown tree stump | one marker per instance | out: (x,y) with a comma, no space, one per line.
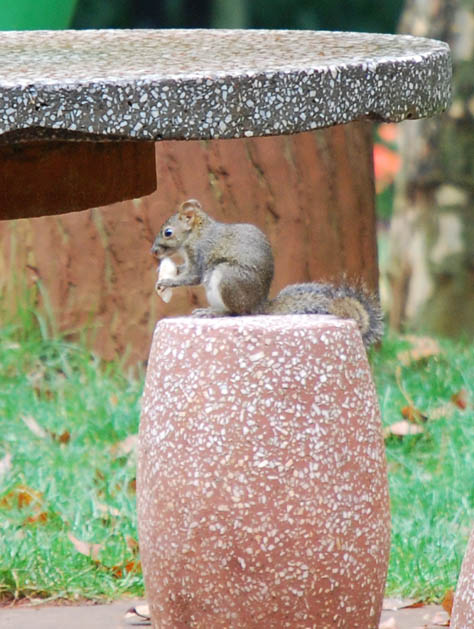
(312,193)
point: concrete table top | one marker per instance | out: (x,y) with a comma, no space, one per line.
(200,84)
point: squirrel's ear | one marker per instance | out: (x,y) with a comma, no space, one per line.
(188,210)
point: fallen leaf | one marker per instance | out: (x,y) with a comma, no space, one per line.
(132,543)
(64,437)
(415,605)
(422,347)
(390,623)
(27,496)
(34,426)
(5,464)
(132,486)
(21,496)
(39,518)
(413,415)
(117,571)
(447,602)
(134,566)
(85,548)
(402,429)
(460,399)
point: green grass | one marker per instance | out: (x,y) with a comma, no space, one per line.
(431,475)
(81,487)
(71,480)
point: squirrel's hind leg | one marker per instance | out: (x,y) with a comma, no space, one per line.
(237,288)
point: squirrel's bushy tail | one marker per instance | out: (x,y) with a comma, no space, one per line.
(345,301)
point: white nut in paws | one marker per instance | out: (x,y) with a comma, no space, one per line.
(166,270)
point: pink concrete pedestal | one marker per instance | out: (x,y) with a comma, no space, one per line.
(262,488)
(463,608)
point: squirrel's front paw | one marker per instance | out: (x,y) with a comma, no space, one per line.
(165,283)
(163,289)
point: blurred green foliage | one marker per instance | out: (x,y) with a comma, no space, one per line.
(36,14)
(357,15)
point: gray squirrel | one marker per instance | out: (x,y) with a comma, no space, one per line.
(234,263)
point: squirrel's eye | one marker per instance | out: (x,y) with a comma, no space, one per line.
(168,232)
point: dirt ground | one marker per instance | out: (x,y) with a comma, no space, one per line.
(112,616)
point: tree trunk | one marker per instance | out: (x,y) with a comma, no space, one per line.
(431,260)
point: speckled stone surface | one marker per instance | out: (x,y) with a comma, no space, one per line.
(183,84)
(462,616)
(262,488)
